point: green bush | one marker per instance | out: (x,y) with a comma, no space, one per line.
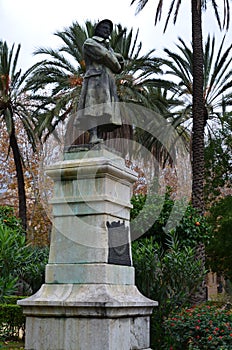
(220,246)
(12,299)
(154,216)
(166,268)
(33,272)
(13,254)
(200,327)
(8,286)
(22,266)
(8,219)
(168,276)
(12,321)
(172,274)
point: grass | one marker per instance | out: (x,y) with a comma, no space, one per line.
(12,345)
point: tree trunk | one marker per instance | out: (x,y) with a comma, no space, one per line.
(198,110)
(20,179)
(198,133)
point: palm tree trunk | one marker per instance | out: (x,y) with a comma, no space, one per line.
(20,179)
(198,132)
(198,110)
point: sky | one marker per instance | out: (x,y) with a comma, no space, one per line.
(33,23)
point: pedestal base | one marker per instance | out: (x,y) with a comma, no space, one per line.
(89,301)
(87,317)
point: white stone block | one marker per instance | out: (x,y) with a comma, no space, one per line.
(89,274)
(86,303)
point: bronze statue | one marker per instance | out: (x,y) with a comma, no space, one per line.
(97,110)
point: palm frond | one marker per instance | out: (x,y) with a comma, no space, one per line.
(217,74)
(140,6)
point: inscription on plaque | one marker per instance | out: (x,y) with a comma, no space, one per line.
(119,250)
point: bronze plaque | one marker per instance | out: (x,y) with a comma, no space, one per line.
(119,249)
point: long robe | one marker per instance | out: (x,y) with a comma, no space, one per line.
(97,105)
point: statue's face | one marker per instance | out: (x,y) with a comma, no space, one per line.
(104,30)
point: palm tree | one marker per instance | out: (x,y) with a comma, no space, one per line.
(56,80)
(198,102)
(13,105)
(175,10)
(61,73)
(217,83)
(152,137)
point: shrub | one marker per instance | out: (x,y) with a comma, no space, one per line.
(22,265)
(198,328)
(33,272)
(172,274)
(220,246)
(7,218)
(13,254)
(12,321)
(169,276)
(166,268)
(150,217)
(8,286)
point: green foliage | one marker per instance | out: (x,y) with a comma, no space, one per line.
(216,79)
(169,276)
(12,299)
(218,165)
(8,286)
(8,218)
(12,250)
(62,71)
(13,254)
(202,327)
(21,266)
(193,228)
(12,321)
(144,215)
(150,215)
(12,345)
(222,20)
(15,106)
(220,246)
(33,273)
(166,268)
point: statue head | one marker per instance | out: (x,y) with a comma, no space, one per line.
(103,28)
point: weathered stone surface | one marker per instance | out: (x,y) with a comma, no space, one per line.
(84,298)
(89,273)
(82,334)
(88,192)
(101,317)
(87,303)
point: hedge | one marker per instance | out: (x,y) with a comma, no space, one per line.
(12,320)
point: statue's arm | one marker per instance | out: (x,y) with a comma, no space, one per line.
(100,54)
(120,59)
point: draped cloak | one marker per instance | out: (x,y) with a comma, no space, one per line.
(97,104)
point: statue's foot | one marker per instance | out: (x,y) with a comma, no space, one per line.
(94,136)
(94,140)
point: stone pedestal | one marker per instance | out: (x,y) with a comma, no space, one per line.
(86,302)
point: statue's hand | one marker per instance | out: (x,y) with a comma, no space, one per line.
(120,60)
